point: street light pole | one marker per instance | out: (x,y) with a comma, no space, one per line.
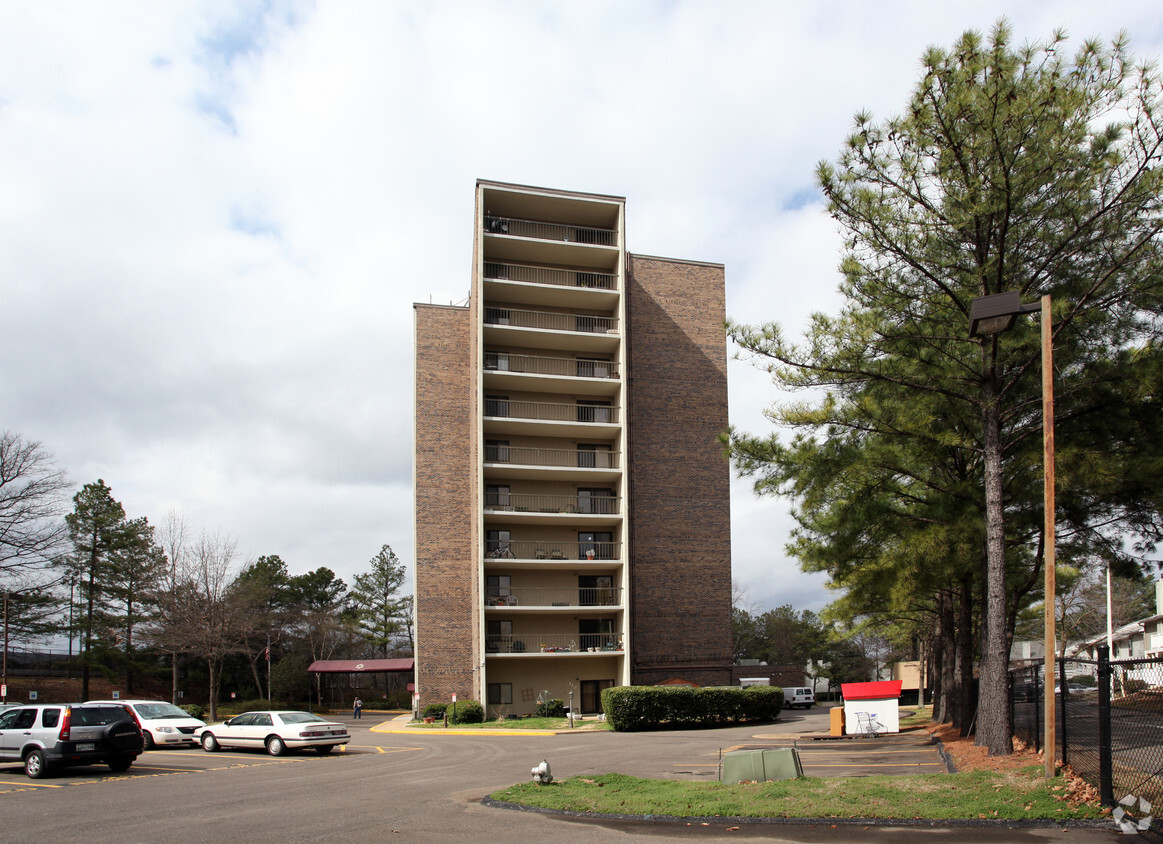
(993,315)
(1051,740)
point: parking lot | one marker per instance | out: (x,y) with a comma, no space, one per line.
(426,787)
(176,762)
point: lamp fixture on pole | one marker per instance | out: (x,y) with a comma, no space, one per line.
(991,315)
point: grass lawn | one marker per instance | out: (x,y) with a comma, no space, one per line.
(1021,794)
(520,724)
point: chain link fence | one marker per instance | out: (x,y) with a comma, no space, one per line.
(1109,719)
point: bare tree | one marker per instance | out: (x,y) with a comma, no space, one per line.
(173,538)
(203,615)
(33,497)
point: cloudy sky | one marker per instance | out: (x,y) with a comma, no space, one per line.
(215,218)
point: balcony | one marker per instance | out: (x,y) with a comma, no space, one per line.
(587,287)
(547,598)
(552,418)
(513,227)
(537,550)
(508,371)
(581,464)
(593,333)
(516,502)
(538,644)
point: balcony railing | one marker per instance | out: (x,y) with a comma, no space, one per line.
(597,596)
(536,549)
(548,643)
(552,412)
(508,502)
(548,275)
(553,457)
(551,321)
(514,227)
(566,367)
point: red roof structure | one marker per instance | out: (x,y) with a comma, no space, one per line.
(362,666)
(880,690)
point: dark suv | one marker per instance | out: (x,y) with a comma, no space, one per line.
(47,736)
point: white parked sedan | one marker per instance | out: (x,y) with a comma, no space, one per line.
(277,731)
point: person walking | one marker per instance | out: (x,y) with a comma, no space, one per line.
(357,709)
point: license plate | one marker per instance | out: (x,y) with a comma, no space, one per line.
(86,745)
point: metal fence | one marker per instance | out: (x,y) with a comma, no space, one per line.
(1109,719)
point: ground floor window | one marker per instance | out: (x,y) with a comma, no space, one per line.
(591,695)
(500,693)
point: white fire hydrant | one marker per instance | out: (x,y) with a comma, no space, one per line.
(541,774)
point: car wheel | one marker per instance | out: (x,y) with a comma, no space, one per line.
(209,743)
(35,765)
(275,746)
(120,764)
(324,749)
(147,742)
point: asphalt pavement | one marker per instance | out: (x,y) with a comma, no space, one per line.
(429,786)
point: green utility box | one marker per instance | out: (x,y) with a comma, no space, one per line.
(761,765)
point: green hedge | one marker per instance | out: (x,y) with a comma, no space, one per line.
(465,712)
(636,708)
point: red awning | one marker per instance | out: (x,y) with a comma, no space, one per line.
(871,691)
(361,666)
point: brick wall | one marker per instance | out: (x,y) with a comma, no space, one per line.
(680,529)
(446,612)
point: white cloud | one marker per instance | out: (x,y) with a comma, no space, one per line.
(216,218)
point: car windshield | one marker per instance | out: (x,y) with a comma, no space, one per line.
(298,717)
(155,711)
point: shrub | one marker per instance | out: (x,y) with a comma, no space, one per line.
(194,710)
(434,710)
(1133,685)
(466,712)
(633,708)
(1083,680)
(554,708)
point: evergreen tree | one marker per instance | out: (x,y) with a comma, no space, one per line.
(1012,169)
(379,607)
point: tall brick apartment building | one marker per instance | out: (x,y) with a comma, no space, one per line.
(572,501)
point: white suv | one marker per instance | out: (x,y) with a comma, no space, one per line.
(163,724)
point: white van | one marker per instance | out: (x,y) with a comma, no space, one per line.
(798,696)
(162,724)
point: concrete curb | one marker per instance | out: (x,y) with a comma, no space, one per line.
(951,823)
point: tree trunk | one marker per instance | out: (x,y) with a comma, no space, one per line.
(211,665)
(994,730)
(965,703)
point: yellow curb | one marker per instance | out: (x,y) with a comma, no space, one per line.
(412,731)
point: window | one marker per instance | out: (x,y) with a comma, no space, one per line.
(593,411)
(593,456)
(595,632)
(50,717)
(500,628)
(591,695)
(497,316)
(496,405)
(596,500)
(497,495)
(261,721)
(595,545)
(497,360)
(498,585)
(500,693)
(595,589)
(497,543)
(594,368)
(497,451)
